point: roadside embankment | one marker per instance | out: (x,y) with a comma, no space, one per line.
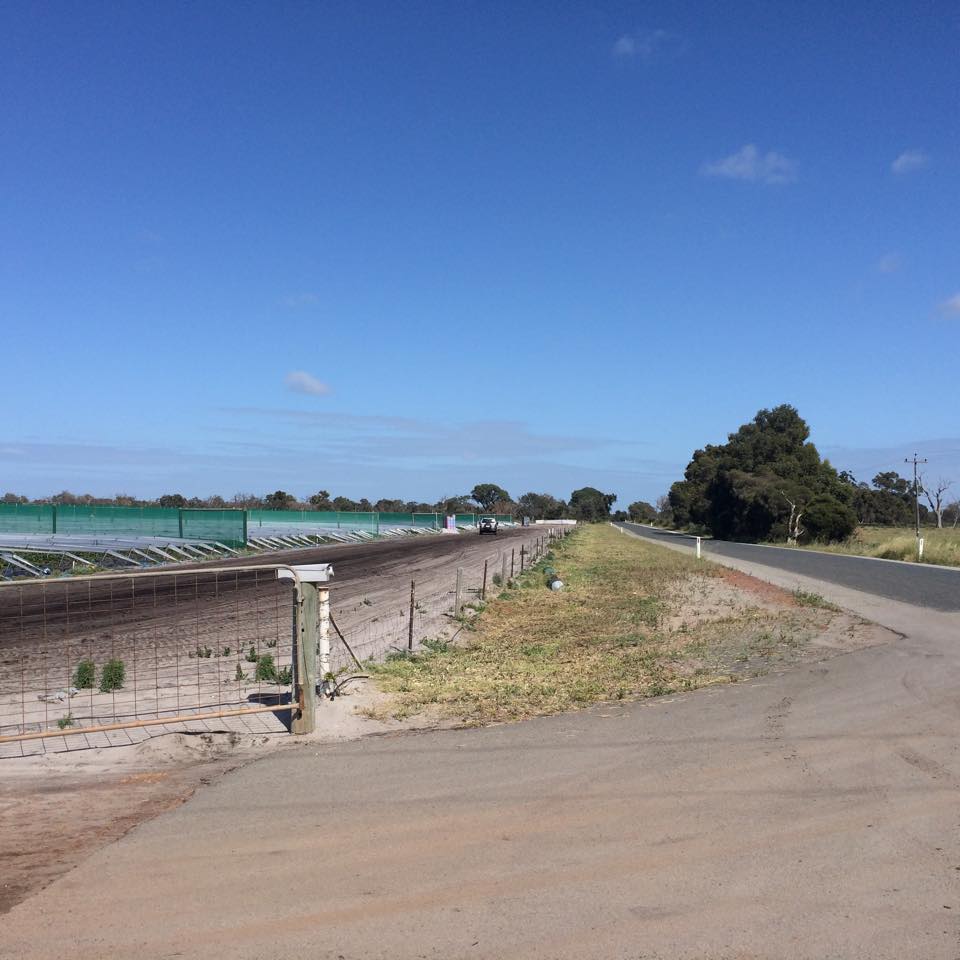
(633,620)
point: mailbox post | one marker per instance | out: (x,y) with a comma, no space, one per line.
(311,653)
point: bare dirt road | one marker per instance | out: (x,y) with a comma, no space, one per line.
(813,814)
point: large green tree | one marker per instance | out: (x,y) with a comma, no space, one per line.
(489,494)
(757,484)
(540,506)
(590,504)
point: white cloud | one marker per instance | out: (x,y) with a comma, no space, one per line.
(889,263)
(751,165)
(295,300)
(300,382)
(951,306)
(908,161)
(645,44)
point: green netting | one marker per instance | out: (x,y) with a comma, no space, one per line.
(427,520)
(26,518)
(342,519)
(87,520)
(224,526)
(466,519)
(396,519)
(504,517)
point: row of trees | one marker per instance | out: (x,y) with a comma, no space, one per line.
(586,504)
(769,482)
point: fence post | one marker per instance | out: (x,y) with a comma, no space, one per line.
(483,589)
(698,548)
(521,558)
(413,600)
(305,659)
(513,555)
(458,598)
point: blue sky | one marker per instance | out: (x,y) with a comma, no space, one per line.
(399,249)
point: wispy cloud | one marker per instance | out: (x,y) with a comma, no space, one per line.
(296,300)
(909,160)
(889,263)
(301,382)
(951,307)
(749,164)
(645,45)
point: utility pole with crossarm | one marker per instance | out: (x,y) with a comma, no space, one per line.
(916,487)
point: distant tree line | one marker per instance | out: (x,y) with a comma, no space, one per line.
(768,482)
(586,504)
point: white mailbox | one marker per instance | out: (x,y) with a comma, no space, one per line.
(308,572)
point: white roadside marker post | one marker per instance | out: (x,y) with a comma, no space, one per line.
(698,548)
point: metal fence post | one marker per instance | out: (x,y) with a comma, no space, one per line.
(305,658)
(483,589)
(413,600)
(521,558)
(503,571)
(458,599)
(513,555)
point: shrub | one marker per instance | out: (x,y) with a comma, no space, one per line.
(435,644)
(85,675)
(112,676)
(239,675)
(284,676)
(266,670)
(828,520)
(251,656)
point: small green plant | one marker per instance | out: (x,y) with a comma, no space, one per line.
(85,675)
(65,722)
(226,652)
(239,675)
(804,599)
(284,676)
(272,643)
(395,655)
(497,580)
(251,656)
(367,602)
(266,670)
(112,676)
(435,644)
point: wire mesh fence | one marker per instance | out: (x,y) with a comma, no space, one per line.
(105,660)
(432,607)
(114,659)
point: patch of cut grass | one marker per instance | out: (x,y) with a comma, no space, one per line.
(608,635)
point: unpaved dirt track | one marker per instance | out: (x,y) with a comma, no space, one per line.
(814,814)
(32,611)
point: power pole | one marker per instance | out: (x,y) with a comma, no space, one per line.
(916,486)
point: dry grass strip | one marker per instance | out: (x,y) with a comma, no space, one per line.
(633,620)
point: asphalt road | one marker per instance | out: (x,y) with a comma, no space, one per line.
(923,585)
